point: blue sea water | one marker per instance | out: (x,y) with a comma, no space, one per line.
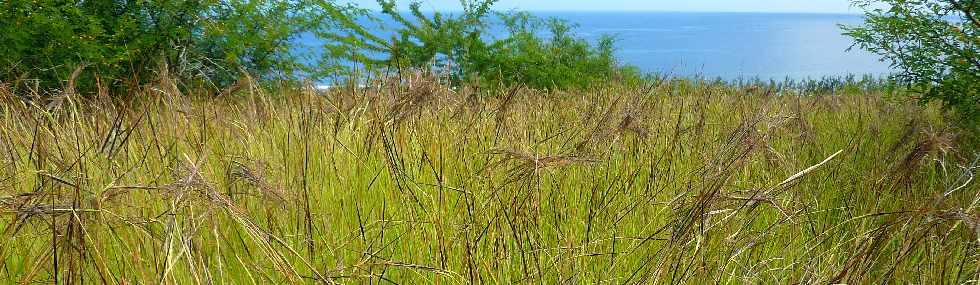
(729,46)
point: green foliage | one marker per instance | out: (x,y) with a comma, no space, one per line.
(124,41)
(465,47)
(934,43)
(561,60)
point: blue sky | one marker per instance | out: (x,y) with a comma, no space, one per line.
(805,6)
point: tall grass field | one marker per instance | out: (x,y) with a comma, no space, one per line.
(408,181)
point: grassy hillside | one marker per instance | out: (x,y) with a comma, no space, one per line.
(678,182)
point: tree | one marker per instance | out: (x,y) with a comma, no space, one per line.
(124,42)
(934,45)
(493,48)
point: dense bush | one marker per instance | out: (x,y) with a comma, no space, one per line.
(934,43)
(561,60)
(494,48)
(123,42)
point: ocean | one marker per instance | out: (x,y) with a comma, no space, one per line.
(732,45)
(728,46)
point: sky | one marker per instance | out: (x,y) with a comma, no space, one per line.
(769,6)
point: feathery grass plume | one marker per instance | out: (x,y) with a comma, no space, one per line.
(677,181)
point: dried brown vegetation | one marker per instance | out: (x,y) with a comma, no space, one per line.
(409,181)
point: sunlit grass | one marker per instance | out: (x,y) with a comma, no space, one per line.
(672,183)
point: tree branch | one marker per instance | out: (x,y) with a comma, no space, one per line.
(966,12)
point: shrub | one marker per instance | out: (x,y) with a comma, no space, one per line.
(216,42)
(465,47)
(935,44)
(561,60)
(124,42)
